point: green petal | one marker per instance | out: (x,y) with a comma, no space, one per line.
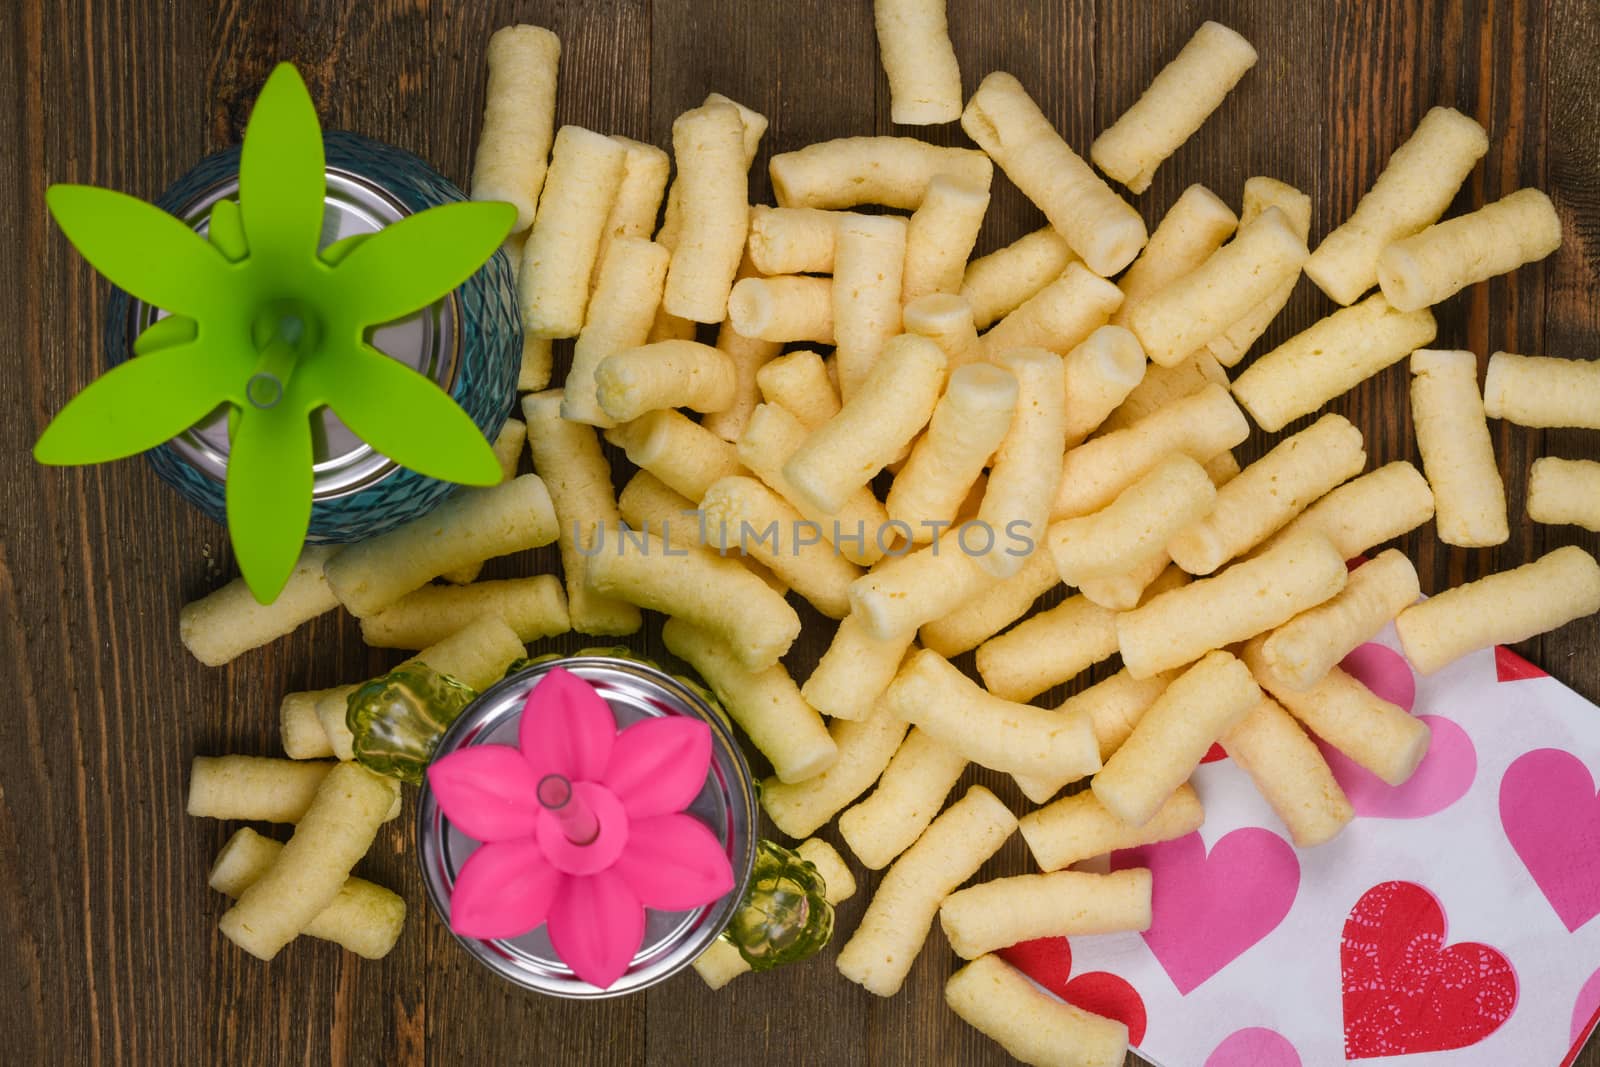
(281,176)
(164,333)
(138,405)
(407,417)
(334,254)
(411,263)
(269,494)
(141,248)
(226,230)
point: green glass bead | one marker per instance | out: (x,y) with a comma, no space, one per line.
(398,719)
(785,916)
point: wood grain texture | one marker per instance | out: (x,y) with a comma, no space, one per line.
(108,947)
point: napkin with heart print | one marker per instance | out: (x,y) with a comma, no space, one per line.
(1452,922)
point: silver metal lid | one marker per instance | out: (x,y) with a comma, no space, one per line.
(428,342)
(726,804)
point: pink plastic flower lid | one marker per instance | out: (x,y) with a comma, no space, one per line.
(582,827)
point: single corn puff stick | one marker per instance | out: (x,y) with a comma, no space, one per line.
(798,383)
(559,258)
(990,731)
(533,608)
(997,284)
(1543,391)
(1197,308)
(1079,827)
(714,594)
(1417,184)
(1047,649)
(518,119)
(892,171)
(1290,773)
(914,46)
(765,703)
(1200,426)
(1249,598)
(568,455)
(1195,226)
(909,795)
(1453,436)
(722,962)
(676,449)
(476,655)
(1161,386)
(1270,492)
(864,750)
(946,320)
(1169,741)
(508,450)
(968,425)
(752,126)
(226,624)
(301,730)
(633,213)
(1312,643)
(998,914)
(470,526)
(253,787)
(335,832)
(1098,224)
(855,670)
(1448,256)
(1058,317)
(708,144)
(364,918)
(1132,532)
(984,615)
(667,374)
(880,953)
(538,358)
(1101,372)
(868,266)
(333,706)
(783,307)
(1366,511)
(1382,737)
(622,311)
(792,240)
(1565,491)
(1172,109)
(771,439)
(1329,359)
(1259,195)
(903,593)
(743,515)
(1002,1004)
(1500,609)
(893,404)
(1027,467)
(940,235)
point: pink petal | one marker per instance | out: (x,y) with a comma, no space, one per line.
(487,792)
(659,765)
(567,728)
(504,889)
(597,926)
(674,863)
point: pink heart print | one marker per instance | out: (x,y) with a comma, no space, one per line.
(1254,1046)
(1207,910)
(1446,772)
(1551,816)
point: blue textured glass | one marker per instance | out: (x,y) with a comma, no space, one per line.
(488,328)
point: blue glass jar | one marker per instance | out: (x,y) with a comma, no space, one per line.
(470,343)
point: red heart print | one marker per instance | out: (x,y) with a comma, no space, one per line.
(1405,990)
(1510,667)
(1048,961)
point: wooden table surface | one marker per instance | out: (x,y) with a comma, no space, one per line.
(108,945)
